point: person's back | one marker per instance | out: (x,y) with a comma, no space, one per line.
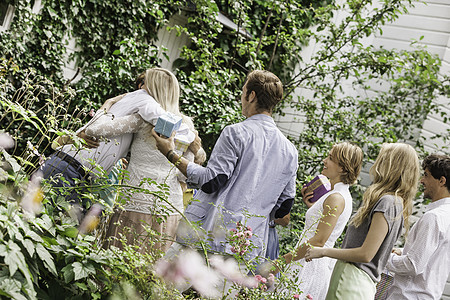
(109,152)
(265,163)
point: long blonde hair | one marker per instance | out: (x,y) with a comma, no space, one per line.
(396,171)
(163,86)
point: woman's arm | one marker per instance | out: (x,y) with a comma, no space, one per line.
(110,102)
(375,237)
(333,207)
(108,127)
(90,142)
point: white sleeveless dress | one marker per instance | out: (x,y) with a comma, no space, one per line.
(313,277)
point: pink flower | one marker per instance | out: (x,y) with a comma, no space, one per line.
(233,230)
(249,228)
(229,269)
(309,297)
(233,249)
(296,296)
(92,112)
(189,268)
(248,234)
(260,278)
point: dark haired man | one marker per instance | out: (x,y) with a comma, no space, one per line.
(250,176)
(423,267)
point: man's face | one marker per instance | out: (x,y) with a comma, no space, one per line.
(430,184)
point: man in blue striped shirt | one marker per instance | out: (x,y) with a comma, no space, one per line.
(250,176)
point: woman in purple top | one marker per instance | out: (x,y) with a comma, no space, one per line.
(375,227)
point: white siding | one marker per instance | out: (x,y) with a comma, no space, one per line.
(8,18)
(432,21)
(70,66)
(170,40)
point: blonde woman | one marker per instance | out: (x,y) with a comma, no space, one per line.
(325,220)
(148,164)
(373,230)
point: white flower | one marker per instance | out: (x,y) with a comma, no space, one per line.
(91,220)
(32,200)
(6,141)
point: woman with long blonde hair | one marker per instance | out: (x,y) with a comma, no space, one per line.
(376,226)
(148,169)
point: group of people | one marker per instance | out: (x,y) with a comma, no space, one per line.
(250,179)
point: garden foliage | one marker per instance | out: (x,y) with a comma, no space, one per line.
(394,91)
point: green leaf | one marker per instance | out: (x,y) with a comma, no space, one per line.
(12,287)
(71,232)
(13,257)
(29,245)
(81,285)
(82,271)
(15,166)
(45,256)
(69,275)
(34,236)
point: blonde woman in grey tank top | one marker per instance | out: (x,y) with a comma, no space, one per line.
(375,227)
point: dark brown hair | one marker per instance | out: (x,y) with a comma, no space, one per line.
(438,165)
(267,87)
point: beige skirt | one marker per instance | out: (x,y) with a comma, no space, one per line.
(147,233)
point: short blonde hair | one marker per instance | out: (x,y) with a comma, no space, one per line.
(396,171)
(163,86)
(349,157)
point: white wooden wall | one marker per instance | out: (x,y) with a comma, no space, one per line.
(172,41)
(432,21)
